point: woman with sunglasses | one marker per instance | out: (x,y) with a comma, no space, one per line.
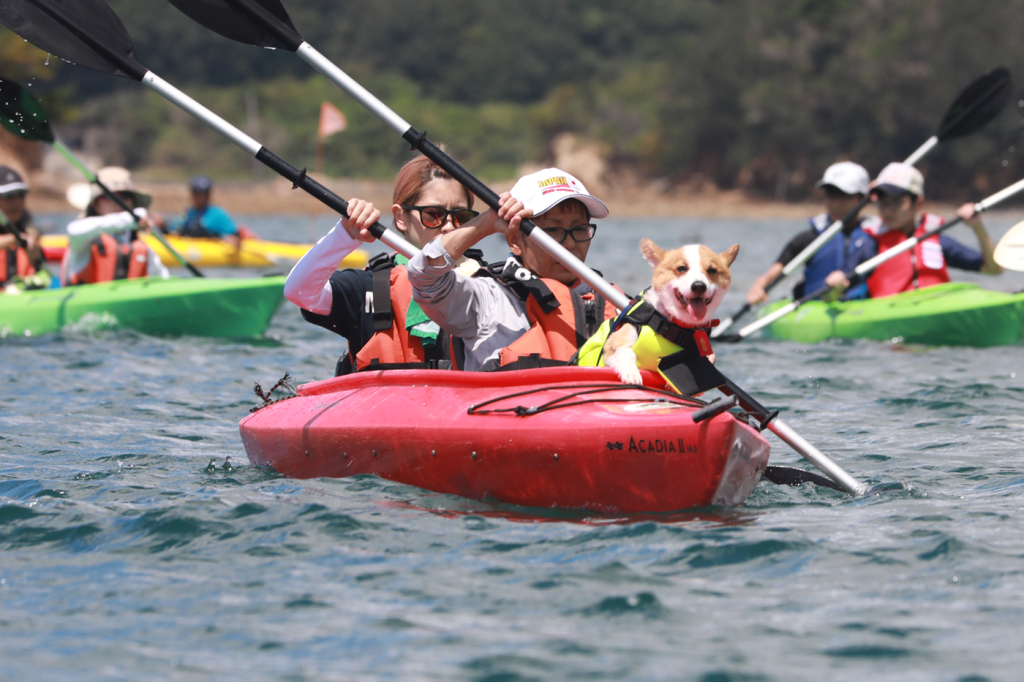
(531,311)
(104,244)
(427,202)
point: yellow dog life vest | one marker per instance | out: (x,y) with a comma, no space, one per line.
(658,353)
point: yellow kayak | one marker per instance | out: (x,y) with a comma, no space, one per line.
(253,253)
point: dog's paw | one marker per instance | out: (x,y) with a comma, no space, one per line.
(630,375)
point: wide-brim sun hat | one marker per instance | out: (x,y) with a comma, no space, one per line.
(846,176)
(116,179)
(543,190)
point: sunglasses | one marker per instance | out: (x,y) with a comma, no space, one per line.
(889,200)
(580,233)
(436,216)
(14,195)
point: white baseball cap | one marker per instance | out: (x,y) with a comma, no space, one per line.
(846,176)
(544,189)
(898,178)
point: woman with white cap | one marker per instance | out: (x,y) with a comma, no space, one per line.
(844,185)
(104,245)
(530,309)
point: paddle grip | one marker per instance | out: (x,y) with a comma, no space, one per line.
(300,179)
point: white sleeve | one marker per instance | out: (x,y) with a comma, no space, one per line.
(309,283)
(83,231)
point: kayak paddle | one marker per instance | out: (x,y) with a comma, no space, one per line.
(978,104)
(265,23)
(90,34)
(861,272)
(22,115)
(1010,250)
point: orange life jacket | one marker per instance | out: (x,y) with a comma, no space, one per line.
(15,264)
(392,346)
(556,334)
(112,260)
(917,268)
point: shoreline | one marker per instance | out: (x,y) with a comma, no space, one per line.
(277,197)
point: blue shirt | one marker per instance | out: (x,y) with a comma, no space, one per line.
(959,256)
(213,221)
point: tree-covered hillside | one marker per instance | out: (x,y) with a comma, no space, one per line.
(760,95)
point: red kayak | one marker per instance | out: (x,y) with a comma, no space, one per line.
(570,437)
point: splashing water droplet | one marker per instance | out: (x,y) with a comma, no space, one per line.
(1005,162)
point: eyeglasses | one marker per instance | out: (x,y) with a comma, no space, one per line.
(437,216)
(889,201)
(580,233)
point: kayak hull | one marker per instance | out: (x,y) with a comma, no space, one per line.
(253,253)
(415,427)
(954,314)
(165,307)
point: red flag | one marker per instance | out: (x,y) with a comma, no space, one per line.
(331,120)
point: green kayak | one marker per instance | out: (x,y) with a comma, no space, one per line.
(955,314)
(166,307)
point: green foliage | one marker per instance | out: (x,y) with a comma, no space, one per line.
(745,93)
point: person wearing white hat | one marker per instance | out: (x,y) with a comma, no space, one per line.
(13,190)
(844,185)
(103,244)
(899,194)
(530,310)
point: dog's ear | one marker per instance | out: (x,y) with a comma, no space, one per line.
(730,254)
(651,252)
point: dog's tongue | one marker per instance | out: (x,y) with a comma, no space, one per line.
(697,308)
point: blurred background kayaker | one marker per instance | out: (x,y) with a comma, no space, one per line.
(13,192)
(501,318)
(103,244)
(427,202)
(844,185)
(899,193)
(203,219)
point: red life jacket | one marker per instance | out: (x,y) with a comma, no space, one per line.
(392,346)
(917,268)
(112,260)
(15,263)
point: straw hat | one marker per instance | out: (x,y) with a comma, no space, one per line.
(117,179)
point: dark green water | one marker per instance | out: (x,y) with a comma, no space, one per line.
(124,557)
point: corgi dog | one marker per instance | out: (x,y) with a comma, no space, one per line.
(688,285)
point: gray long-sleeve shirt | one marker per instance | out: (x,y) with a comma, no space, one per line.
(486,315)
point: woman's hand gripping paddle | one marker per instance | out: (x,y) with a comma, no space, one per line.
(978,104)
(23,116)
(862,271)
(89,33)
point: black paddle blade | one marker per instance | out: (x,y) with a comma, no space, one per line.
(84,32)
(977,105)
(793,476)
(21,114)
(263,23)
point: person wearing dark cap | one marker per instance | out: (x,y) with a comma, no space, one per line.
(203,219)
(899,193)
(13,191)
